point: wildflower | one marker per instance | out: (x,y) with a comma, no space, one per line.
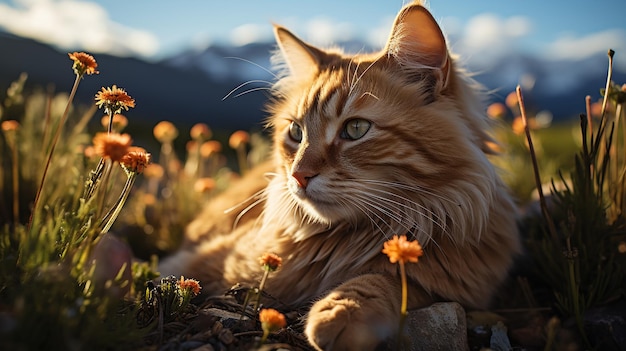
(154,170)
(135,161)
(189,285)
(511,100)
(114,99)
(204,185)
(10,125)
(165,132)
(238,139)
(271,321)
(399,249)
(113,146)
(118,122)
(83,63)
(496,110)
(200,131)
(270,261)
(209,148)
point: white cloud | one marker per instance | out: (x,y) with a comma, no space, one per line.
(72,24)
(250,33)
(323,31)
(569,47)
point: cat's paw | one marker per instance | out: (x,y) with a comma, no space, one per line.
(348,322)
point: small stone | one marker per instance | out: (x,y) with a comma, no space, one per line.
(226,336)
(441,326)
(499,339)
(206,347)
(217,328)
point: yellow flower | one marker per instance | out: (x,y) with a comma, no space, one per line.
(399,249)
(114,146)
(165,132)
(136,160)
(271,320)
(270,261)
(200,131)
(190,285)
(114,99)
(238,138)
(83,63)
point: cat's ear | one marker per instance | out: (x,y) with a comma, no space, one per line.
(417,41)
(302,59)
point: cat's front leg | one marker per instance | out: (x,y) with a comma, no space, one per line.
(358,315)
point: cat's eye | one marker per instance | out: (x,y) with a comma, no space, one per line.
(355,128)
(295,132)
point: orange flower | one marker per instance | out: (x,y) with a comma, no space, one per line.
(270,261)
(114,99)
(136,161)
(190,285)
(204,185)
(10,125)
(83,63)
(200,131)
(209,148)
(271,320)
(399,249)
(119,122)
(113,146)
(154,170)
(238,138)
(496,110)
(165,132)
(511,100)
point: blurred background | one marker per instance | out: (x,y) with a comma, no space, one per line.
(181,60)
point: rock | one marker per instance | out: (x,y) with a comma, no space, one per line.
(606,326)
(499,338)
(439,327)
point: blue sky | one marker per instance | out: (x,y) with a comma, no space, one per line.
(154,28)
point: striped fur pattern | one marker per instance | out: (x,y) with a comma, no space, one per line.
(365,147)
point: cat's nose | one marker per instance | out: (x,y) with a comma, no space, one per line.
(303,178)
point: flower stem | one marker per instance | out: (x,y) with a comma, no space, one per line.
(403,305)
(52,148)
(111,216)
(533,157)
(261,286)
(16,186)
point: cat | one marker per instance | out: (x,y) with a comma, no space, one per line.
(365,146)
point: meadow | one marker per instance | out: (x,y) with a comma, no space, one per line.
(85,216)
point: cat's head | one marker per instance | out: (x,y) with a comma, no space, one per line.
(384,137)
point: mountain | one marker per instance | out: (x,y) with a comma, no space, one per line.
(161,91)
(191,86)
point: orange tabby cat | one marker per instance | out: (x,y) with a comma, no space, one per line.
(365,147)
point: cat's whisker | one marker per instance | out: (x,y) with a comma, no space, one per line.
(354,84)
(407,187)
(247,91)
(429,214)
(254,64)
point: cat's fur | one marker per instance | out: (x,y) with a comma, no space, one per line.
(328,202)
